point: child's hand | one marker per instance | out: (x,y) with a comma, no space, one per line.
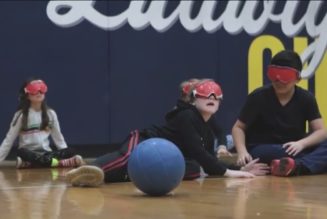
(256,168)
(243,158)
(222,151)
(238,174)
(293,148)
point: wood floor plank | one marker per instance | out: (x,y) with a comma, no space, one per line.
(43,193)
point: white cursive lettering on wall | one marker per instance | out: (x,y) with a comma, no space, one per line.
(232,20)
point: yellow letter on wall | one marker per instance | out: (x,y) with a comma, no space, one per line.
(255,58)
(300,44)
(321,88)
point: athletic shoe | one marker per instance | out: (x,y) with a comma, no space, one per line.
(87,175)
(75,161)
(283,167)
(20,164)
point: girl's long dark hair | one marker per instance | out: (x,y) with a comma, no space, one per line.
(24,105)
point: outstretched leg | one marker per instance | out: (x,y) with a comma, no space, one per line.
(111,167)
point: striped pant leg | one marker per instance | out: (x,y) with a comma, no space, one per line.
(114,164)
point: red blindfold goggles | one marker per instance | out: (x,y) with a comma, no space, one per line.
(187,87)
(35,87)
(208,88)
(283,74)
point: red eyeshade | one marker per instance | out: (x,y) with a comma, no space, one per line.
(283,74)
(188,85)
(208,88)
(36,86)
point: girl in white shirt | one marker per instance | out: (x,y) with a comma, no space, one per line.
(33,123)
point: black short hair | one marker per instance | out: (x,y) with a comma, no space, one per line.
(287,58)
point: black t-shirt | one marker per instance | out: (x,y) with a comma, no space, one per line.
(268,122)
(187,129)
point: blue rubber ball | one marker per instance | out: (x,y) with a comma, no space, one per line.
(156,166)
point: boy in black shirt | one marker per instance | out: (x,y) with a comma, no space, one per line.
(272,123)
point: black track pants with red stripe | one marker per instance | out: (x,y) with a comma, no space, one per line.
(114,164)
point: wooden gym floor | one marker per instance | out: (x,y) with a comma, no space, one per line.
(43,193)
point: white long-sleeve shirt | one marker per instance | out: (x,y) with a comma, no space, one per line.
(34,138)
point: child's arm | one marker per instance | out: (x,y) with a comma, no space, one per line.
(218,131)
(193,145)
(12,134)
(56,134)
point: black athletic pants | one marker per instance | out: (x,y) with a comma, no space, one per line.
(44,158)
(114,164)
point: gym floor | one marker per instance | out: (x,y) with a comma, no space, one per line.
(43,193)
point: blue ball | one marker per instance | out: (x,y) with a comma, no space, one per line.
(156,166)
